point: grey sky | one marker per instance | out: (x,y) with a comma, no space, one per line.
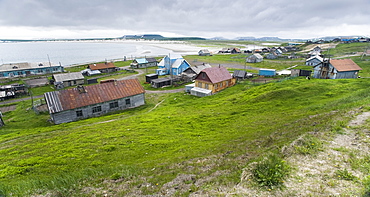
(205,18)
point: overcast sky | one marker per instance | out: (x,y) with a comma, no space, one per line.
(31,19)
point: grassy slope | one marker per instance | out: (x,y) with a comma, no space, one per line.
(244,119)
(183,127)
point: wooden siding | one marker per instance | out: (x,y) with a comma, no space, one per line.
(87,112)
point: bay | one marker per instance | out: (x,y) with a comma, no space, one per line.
(70,53)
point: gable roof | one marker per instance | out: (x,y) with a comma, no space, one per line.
(179,62)
(150,59)
(104,65)
(315,57)
(199,68)
(68,76)
(141,60)
(217,74)
(240,73)
(344,65)
(89,95)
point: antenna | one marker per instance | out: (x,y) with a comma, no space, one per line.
(49,60)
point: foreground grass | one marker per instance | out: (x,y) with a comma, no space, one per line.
(152,148)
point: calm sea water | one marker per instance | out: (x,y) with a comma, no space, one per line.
(68,53)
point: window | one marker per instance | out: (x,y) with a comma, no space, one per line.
(79,113)
(221,85)
(199,84)
(227,83)
(128,101)
(96,109)
(113,105)
(206,86)
(203,75)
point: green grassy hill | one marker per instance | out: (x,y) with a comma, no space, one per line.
(175,143)
(139,146)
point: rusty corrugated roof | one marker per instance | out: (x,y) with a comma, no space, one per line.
(217,74)
(75,98)
(104,65)
(344,65)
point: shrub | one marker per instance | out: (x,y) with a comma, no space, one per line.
(271,171)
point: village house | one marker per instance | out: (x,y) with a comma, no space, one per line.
(204,52)
(28,69)
(212,80)
(89,101)
(143,63)
(172,64)
(105,67)
(336,69)
(193,71)
(68,79)
(314,60)
(272,55)
(255,58)
(315,52)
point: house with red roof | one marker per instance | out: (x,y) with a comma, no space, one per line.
(336,69)
(89,101)
(212,80)
(105,67)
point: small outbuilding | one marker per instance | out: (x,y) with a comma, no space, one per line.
(150,77)
(267,72)
(299,72)
(68,79)
(204,52)
(160,82)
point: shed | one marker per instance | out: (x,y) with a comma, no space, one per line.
(83,102)
(68,79)
(158,83)
(204,52)
(240,74)
(189,87)
(150,77)
(267,72)
(299,72)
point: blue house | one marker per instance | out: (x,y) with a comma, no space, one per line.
(174,63)
(27,69)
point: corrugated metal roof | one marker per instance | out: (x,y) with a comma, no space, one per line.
(344,65)
(217,74)
(74,98)
(199,68)
(150,59)
(68,76)
(104,65)
(177,63)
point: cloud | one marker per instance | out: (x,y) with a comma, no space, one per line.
(190,17)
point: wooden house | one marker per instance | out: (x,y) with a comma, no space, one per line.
(68,79)
(212,80)
(143,63)
(83,102)
(28,69)
(204,52)
(160,82)
(336,69)
(150,77)
(105,67)
(314,60)
(255,58)
(271,56)
(193,71)
(172,64)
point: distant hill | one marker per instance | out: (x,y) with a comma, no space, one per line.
(157,37)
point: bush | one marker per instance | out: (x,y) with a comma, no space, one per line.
(271,171)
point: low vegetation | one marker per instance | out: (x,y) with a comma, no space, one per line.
(178,144)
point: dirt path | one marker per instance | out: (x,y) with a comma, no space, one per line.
(318,174)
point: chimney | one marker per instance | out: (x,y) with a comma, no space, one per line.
(81,89)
